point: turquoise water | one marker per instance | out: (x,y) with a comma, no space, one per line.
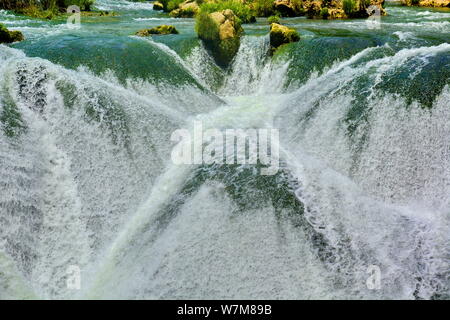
(87,178)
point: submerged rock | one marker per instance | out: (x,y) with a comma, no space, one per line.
(158,6)
(161,30)
(220,31)
(280,35)
(186,9)
(427,3)
(7,36)
(98,14)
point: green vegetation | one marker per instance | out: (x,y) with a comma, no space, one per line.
(165,4)
(273,19)
(349,7)
(15,4)
(324,14)
(206,27)
(163,29)
(44,9)
(263,8)
(37,12)
(186,12)
(243,12)
(220,33)
(247,10)
(173,4)
(84,5)
(280,35)
(157,5)
(297,6)
(7,36)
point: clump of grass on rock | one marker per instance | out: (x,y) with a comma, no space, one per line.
(159,30)
(220,32)
(280,35)
(241,10)
(7,36)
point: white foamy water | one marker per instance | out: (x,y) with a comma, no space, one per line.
(122,5)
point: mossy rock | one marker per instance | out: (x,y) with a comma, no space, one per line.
(37,12)
(222,51)
(45,9)
(288,8)
(220,32)
(186,9)
(7,36)
(427,3)
(159,30)
(342,9)
(280,35)
(158,6)
(98,14)
(273,19)
(324,14)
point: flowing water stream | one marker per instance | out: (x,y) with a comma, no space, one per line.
(87,179)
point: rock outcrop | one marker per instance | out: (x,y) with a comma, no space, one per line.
(220,32)
(289,8)
(340,9)
(46,9)
(158,6)
(427,3)
(186,9)
(229,27)
(159,30)
(7,36)
(280,35)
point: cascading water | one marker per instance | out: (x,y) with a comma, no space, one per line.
(87,178)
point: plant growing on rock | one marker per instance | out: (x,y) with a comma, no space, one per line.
(84,5)
(7,36)
(273,19)
(263,8)
(161,30)
(289,8)
(205,27)
(313,9)
(220,32)
(280,35)
(15,4)
(44,9)
(173,4)
(324,14)
(349,7)
(242,11)
(297,5)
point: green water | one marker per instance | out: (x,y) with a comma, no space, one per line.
(105,43)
